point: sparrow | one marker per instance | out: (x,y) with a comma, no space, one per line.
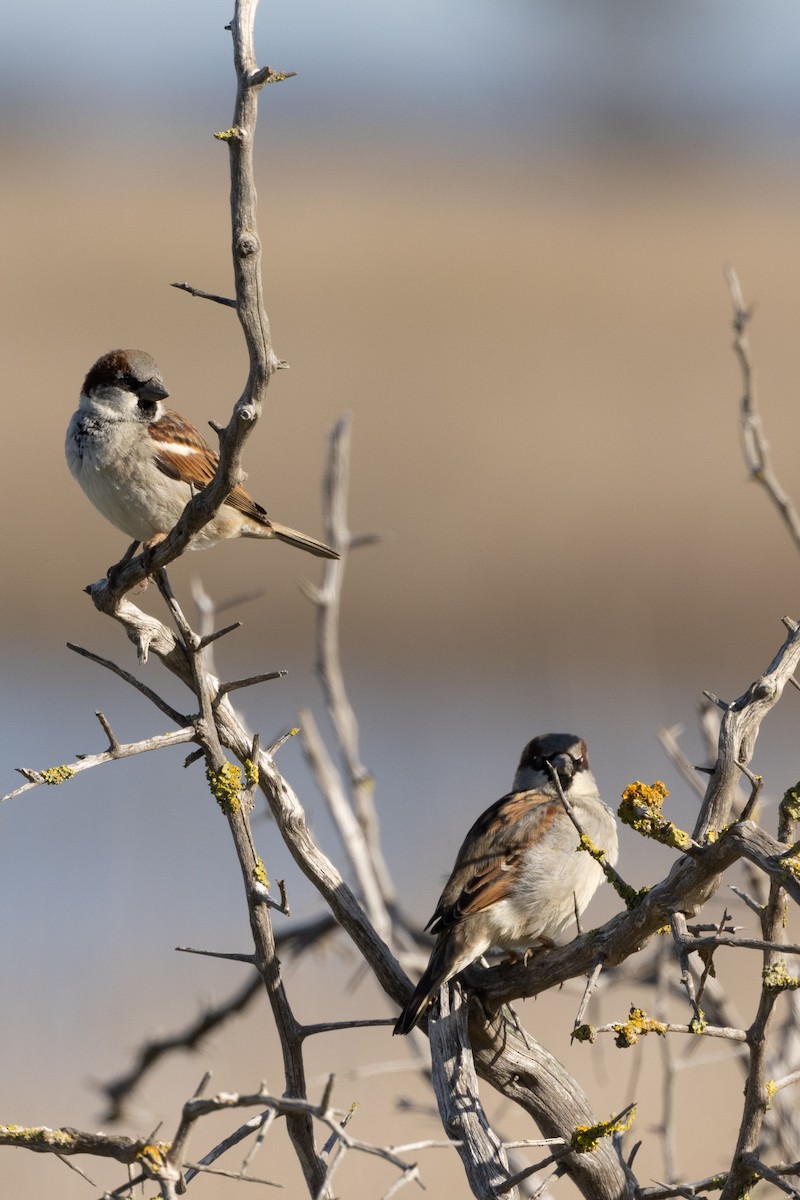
(520,878)
(140,463)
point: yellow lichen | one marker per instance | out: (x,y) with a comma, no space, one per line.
(586,1138)
(153,1156)
(260,873)
(233,134)
(698,1024)
(790,804)
(36,1135)
(250,772)
(790,865)
(777,979)
(745,1194)
(225,786)
(584,1033)
(641,809)
(637,1025)
(56,775)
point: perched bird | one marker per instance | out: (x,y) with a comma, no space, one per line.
(140,463)
(519,877)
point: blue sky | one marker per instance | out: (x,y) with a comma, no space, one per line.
(474,67)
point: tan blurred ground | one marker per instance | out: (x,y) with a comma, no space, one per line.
(536,356)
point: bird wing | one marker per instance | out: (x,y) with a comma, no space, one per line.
(182,454)
(491,853)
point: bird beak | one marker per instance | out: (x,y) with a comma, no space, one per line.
(564,766)
(153,389)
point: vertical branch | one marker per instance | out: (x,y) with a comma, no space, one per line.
(355,844)
(774,980)
(234,800)
(327,600)
(666,1131)
(526,1074)
(336,488)
(245,243)
(755,448)
(455,1083)
(246,253)
(741,722)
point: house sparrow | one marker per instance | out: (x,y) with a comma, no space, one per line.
(140,463)
(519,877)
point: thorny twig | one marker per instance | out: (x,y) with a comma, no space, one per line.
(755,447)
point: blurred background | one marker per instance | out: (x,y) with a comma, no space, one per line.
(495,234)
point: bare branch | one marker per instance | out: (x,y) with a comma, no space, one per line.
(293,941)
(285,1106)
(197,1168)
(61,774)
(591,984)
(331,1026)
(219,633)
(456,1085)
(774,979)
(250,681)
(227,955)
(152,696)
(193,291)
(350,831)
(755,447)
(327,601)
(669,740)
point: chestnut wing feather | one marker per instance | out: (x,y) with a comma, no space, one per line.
(197,468)
(490,855)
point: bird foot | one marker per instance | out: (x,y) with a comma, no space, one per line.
(148,547)
(544,943)
(113,571)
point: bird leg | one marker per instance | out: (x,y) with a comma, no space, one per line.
(115,568)
(149,546)
(542,943)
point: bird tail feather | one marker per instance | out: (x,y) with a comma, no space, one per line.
(293,537)
(411,1015)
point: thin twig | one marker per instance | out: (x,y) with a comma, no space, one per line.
(193,291)
(152,696)
(591,983)
(293,941)
(234,685)
(85,762)
(330,1026)
(227,955)
(755,447)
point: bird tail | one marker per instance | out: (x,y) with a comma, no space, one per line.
(302,540)
(425,990)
